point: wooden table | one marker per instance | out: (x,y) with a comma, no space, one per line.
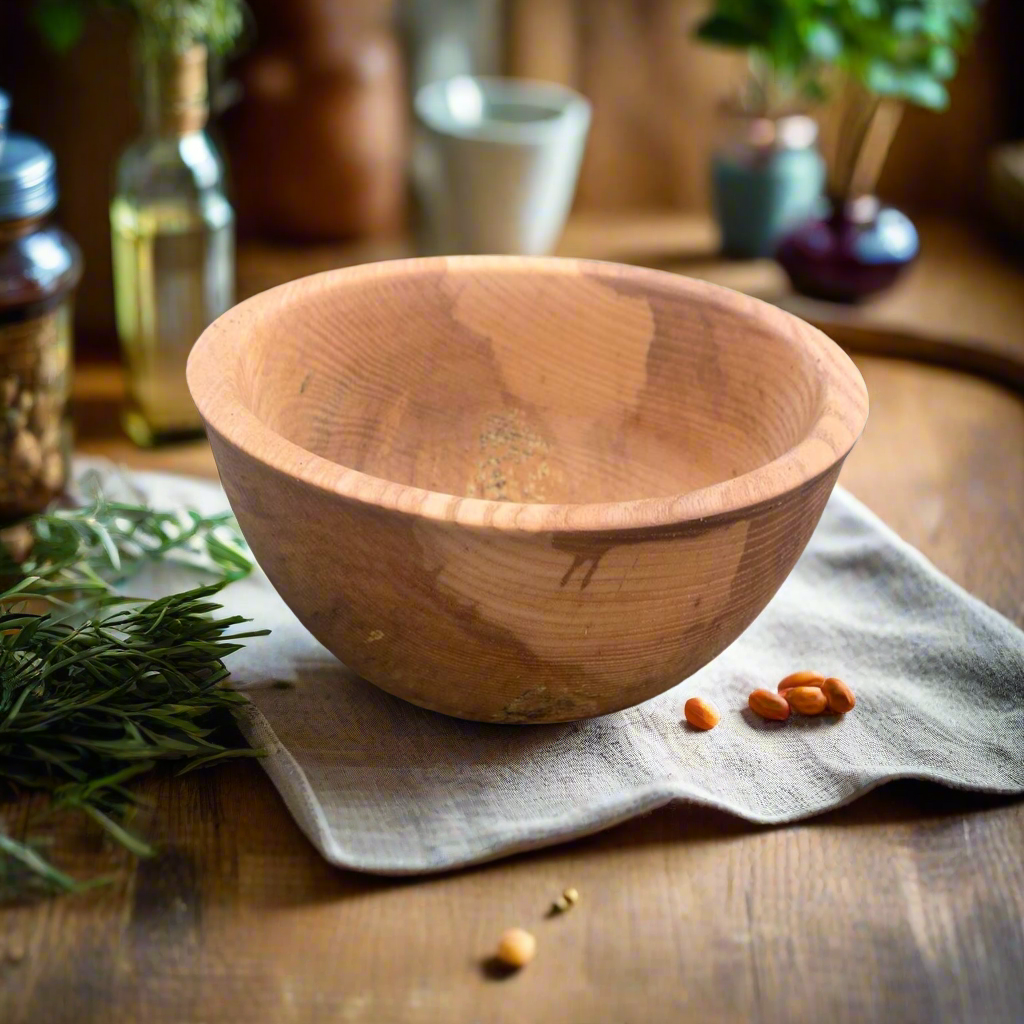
(907,905)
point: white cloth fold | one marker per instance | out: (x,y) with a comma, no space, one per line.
(381,786)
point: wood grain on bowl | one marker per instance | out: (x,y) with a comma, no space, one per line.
(523,490)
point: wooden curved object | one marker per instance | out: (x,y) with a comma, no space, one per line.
(523,490)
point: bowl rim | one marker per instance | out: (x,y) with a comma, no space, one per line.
(843,411)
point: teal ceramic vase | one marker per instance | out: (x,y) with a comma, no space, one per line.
(766,179)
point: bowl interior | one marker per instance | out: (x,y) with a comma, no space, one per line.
(531,382)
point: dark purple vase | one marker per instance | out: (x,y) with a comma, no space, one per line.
(860,248)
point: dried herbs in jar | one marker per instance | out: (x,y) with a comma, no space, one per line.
(39,269)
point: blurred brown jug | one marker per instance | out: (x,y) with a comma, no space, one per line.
(317,143)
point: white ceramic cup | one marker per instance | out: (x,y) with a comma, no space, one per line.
(496,163)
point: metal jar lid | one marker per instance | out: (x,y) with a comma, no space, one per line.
(5,105)
(28,178)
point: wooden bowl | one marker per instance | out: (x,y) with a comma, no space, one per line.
(521,489)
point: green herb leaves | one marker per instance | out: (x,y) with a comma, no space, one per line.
(91,697)
(172,26)
(168,26)
(905,49)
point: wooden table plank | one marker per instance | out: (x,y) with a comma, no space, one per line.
(964,287)
(961,304)
(906,906)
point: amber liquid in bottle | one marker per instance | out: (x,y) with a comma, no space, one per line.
(172,239)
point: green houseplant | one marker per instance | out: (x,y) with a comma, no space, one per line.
(867,58)
(767,175)
(165,25)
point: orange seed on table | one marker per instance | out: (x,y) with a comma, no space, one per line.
(517,947)
(808,700)
(804,678)
(701,714)
(839,696)
(769,705)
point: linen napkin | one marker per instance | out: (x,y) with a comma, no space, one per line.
(379,785)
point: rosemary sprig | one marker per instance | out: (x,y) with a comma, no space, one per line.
(89,552)
(93,695)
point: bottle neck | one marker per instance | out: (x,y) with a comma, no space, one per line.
(174,92)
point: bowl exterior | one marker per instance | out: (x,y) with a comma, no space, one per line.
(513,626)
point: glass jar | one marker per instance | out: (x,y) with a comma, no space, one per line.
(172,235)
(39,269)
(767,176)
